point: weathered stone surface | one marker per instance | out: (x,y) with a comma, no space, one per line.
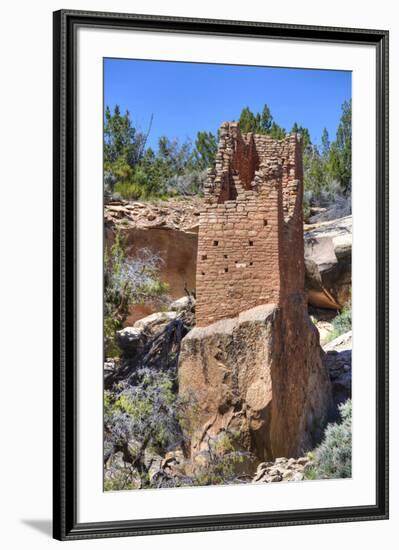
(133,340)
(261,374)
(323,320)
(177,247)
(181,214)
(130,340)
(341,343)
(182,304)
(328,261)
(155,321)
(282,469)
(154,342)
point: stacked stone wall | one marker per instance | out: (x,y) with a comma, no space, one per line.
(250,246)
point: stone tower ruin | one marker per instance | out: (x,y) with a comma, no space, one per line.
(250,246)
(253,362)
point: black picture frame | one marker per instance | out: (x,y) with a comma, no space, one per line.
(66,527)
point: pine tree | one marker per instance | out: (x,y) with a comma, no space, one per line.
(266,120)
(247,121)
(325,144)
(341,149)
(121,139)
(205,150)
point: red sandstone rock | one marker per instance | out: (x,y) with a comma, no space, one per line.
(261,374)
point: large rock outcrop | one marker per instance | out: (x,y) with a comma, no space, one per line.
(166,228)
(328,262)
(260,374)
(152,342)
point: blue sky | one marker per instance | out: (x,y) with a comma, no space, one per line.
(187,97)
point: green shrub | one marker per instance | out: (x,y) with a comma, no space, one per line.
(111,325)
(128,190)
(306,209)
(128,281)
(122,478)
(220,463)
(332,459)
(141,418)
(342,322)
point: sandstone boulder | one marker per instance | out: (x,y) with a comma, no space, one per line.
(261,374)
(130,340)
(328,262)
(152,342)
(182,304)
(155,321)
(282,469)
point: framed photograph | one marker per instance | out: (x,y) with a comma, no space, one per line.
(220,217)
